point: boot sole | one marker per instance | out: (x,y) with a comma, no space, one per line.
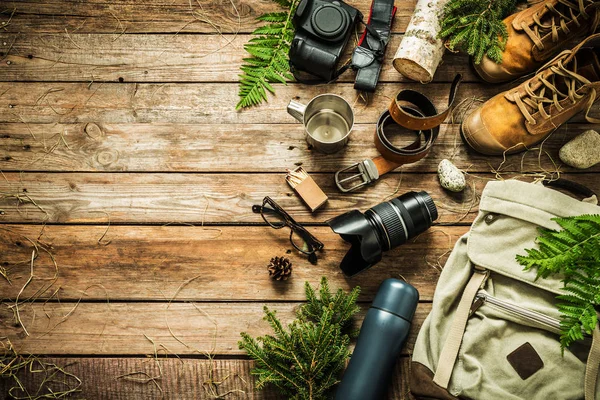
(508,153)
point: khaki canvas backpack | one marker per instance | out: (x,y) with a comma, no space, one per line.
(493,331)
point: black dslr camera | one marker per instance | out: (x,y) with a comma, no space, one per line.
(322,31)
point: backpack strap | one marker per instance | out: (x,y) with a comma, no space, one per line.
(571,186)
(449,352)
(591,369)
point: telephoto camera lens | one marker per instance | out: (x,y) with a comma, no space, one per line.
(382,228)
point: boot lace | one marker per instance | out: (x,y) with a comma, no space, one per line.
(570,13)
(549,94)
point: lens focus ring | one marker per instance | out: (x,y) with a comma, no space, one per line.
(430,205)
(392,224)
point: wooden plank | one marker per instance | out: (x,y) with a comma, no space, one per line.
(184,379)
(159,58)
(210,198)
(108,378)
(210,103)
(152,262)
(184,148)
(163,16)
(119,328)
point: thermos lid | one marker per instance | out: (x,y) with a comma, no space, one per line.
(397,297)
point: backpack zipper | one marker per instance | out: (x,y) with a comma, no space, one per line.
(540,318)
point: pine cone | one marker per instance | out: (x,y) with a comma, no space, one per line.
(280,268)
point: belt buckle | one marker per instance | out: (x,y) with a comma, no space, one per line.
(366,171)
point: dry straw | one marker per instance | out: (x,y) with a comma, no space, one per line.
(43,379)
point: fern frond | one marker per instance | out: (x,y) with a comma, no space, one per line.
(269,62)
(574,252)
(273,17)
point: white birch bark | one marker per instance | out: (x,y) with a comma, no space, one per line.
(420,51)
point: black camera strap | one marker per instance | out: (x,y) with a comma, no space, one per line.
(367,58)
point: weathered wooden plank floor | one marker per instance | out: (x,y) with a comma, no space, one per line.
(121,152)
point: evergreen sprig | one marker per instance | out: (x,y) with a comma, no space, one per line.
(477,27)
(304,361)
(269,61)
(574,252)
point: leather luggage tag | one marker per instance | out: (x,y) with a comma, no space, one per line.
(525,360)
(306,188)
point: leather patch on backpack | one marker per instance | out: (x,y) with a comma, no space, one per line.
(525,360)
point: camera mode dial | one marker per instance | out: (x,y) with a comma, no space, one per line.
(329,21)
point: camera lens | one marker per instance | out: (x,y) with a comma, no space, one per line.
(330,21)
(382,228)
(402,218)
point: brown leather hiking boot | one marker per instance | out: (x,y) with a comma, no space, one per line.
(537,34)
(522,117)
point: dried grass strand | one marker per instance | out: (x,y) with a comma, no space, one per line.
(12,364)
(100,240)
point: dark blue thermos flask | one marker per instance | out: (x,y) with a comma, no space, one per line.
(381,338)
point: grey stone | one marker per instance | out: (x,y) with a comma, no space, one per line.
(451,177)
(583,151)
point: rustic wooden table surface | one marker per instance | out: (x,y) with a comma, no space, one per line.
(123,160)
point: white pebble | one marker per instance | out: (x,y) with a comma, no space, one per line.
(451,177)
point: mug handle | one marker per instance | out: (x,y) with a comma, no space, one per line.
(296,110)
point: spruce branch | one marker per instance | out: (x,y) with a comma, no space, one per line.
(574,252)
(477,27)
(304,361)
(269,61)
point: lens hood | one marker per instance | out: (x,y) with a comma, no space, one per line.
(356,229)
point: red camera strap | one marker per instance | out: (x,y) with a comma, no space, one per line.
(367,57)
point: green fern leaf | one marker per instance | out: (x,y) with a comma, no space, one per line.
(273,17)
(269,61)
(574,252)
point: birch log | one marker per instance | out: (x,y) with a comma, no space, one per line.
(420,51)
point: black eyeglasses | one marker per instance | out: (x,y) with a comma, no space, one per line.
(277,218)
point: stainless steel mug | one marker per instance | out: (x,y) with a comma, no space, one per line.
(327,119)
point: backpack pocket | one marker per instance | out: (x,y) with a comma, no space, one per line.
(512,351)
(517,313)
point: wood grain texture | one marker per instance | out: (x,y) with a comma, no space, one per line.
(185,379)
(107,378)
(159,58)
(119,328)
(211,198)
(228,264)
(206,103)
(164,147)
(123,110)
(156,16)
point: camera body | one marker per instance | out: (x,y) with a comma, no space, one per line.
(323,29)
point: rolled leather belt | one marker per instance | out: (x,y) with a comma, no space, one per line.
(411,110)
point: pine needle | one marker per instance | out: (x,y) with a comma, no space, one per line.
(304,360)
(476,27)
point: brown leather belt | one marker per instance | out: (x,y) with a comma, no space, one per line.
(409,109)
